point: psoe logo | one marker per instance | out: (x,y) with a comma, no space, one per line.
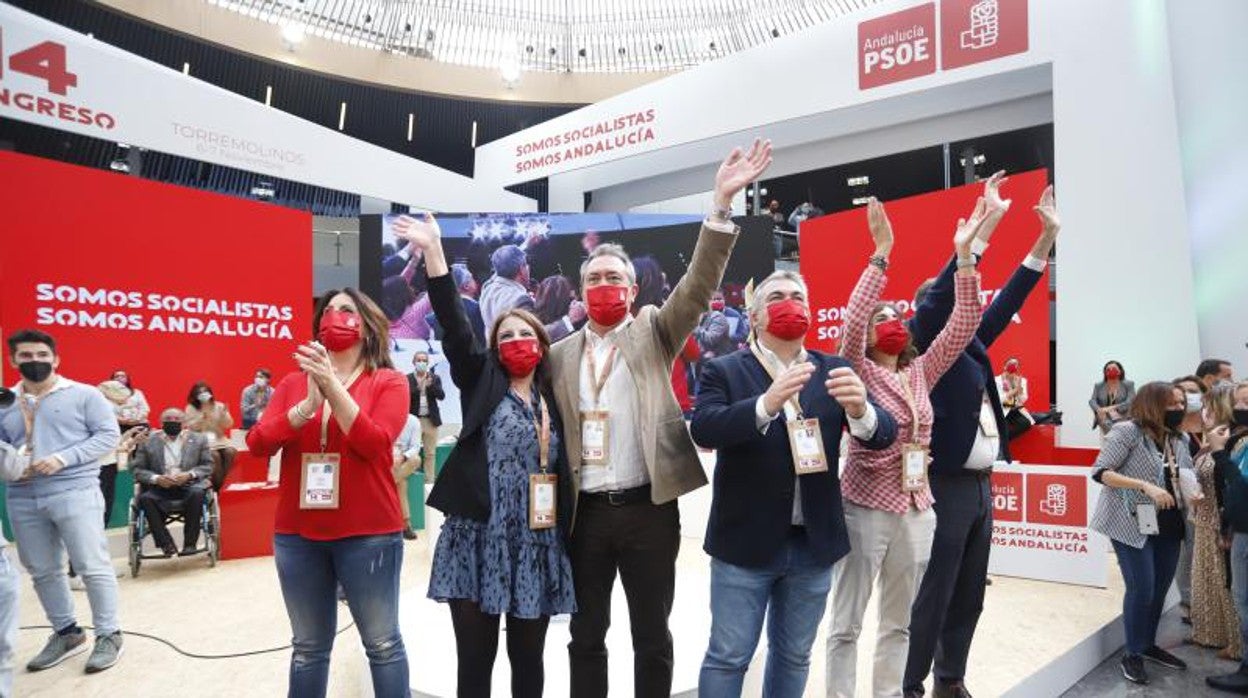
(1054,502)
(1057,500)
(985,25)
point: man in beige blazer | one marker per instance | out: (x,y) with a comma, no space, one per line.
(626,437)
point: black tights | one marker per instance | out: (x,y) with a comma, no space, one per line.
(476,642)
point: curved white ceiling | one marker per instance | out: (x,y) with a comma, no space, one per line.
(584,36)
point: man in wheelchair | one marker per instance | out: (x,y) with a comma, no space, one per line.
(173,469)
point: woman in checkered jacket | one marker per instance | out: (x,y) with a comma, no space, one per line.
(888,507)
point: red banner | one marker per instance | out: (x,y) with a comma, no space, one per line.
(974,31)
(173,285)
(835,249)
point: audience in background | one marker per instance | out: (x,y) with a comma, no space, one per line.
(11,468)
(173,465)
(256,397)
(1215,622)
(803,212)
(426,391)
(1193,427)
(1111,398)
(1213,372)
(204,414)
(466,283)
(406,459)
(1142,510)
(1012,387)
(1230,456)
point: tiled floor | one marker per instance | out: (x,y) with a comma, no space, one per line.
(1106,680)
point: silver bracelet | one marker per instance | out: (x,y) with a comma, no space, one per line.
(967,263)
(299,411)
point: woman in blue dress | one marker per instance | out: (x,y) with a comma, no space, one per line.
(498,553)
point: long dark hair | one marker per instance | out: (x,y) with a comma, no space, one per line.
(649,283)
(1148,409)
(911,352)
(554,296)
(1121,370)
(374,330)
(396,296)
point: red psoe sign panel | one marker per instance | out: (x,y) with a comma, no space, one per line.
(974,31)
(897,47)
(835,250)
(173,285)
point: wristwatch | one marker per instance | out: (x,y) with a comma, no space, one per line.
(721,215)
(879,261)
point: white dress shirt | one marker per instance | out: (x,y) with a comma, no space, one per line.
(173,452)
(862,427)
(986,448)
(626,466)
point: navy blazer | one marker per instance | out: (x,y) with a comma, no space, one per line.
(463,486)
(752,492)
(956,397)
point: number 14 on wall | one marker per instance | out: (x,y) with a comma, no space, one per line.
(46,61)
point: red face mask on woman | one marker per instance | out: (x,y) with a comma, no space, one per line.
(520,356)
(339,331)
(1113,373)
(1011,369)
(717,305)
(891,337)
(787,319)
(608,303)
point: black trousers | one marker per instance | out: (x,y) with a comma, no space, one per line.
(155,504)
(951,595)
(108,488)
(639,540)
(476,645)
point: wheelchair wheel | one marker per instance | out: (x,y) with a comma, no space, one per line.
(212,530)
(136,542)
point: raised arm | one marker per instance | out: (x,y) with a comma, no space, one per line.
(960,329)
(868,289)
(1011,298)
(680,314)
(466,355)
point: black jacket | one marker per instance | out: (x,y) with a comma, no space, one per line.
(433,393)
(1231,486)
(752,500)
(463,486)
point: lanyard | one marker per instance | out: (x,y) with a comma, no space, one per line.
(597,382)
(327,409)
(541,426)
(772,370)
(908,394)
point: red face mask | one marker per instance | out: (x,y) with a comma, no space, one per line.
(891,337)
(520,356)
(787,319)
(608,304)
(1011,368)
(1113,373)
(717,305)
(339,331)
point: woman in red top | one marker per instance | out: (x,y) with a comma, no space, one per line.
(338,517)
(888,504)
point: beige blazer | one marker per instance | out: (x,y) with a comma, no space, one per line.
(649,345)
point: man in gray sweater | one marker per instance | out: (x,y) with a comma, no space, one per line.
(59,429)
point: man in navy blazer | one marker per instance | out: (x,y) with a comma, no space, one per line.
(966,441)
(774,536)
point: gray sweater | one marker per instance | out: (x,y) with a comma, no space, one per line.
(10,470)
(75,423)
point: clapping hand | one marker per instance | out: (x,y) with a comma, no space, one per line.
(738,170)
(848,389)
(1046,209)
(967,229)
(785,385)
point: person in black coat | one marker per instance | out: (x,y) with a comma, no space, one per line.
(502,549)
(774,534)
(426,389)
(966,441)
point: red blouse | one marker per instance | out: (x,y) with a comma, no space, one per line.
(368,502)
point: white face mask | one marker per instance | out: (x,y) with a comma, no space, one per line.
(204,396)
(1194,402)
(262,381)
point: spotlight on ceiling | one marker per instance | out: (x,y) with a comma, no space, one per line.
(623,51)
(775,33)
(658,48)
(581,52)
(407,28)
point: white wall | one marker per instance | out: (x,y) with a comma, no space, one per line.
(1118,167)
(1210,66)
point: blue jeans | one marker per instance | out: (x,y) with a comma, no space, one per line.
(1239,586)
(368,568)
(796,589)
(1147,574)
(45,529)
(8,621)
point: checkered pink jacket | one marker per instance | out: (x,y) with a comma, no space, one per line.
(872,479)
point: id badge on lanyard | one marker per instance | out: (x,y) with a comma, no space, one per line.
(321,473)
(805,435)
(543,504)
(914,455)
(595,424)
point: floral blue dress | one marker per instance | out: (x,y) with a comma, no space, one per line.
(502,564)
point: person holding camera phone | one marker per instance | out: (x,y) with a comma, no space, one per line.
(1141,509)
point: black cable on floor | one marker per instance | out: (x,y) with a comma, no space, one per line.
(191,655)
